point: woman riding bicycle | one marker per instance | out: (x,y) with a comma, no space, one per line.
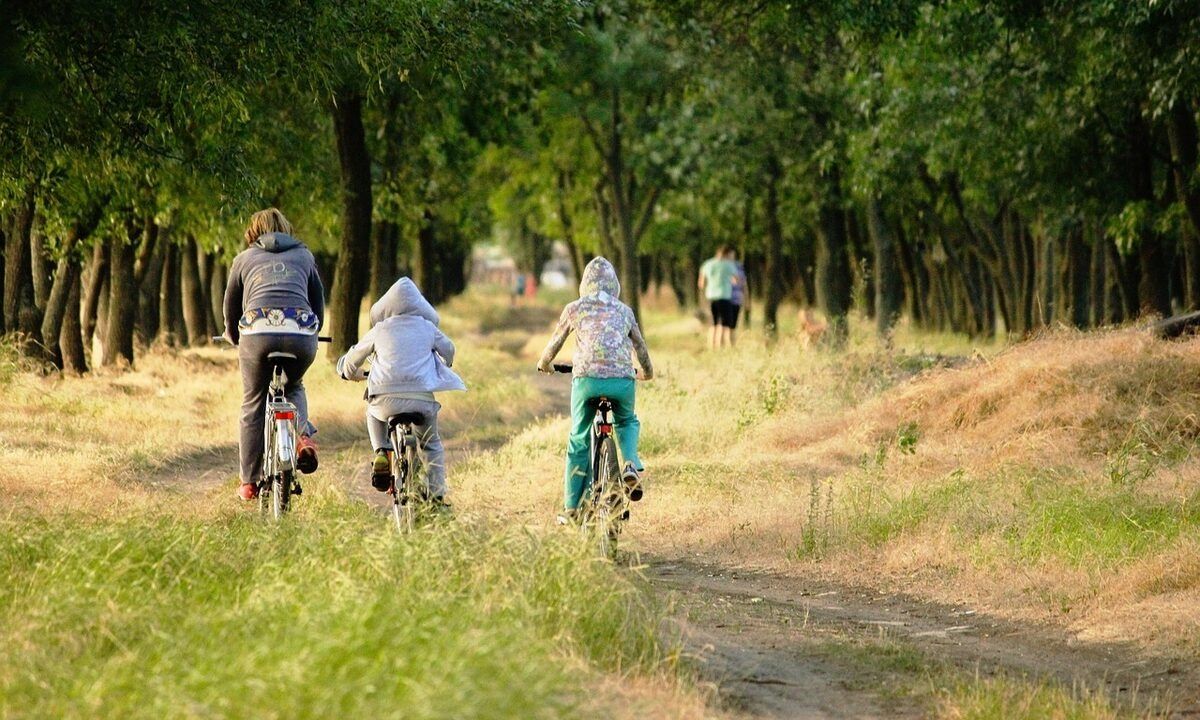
(274,303)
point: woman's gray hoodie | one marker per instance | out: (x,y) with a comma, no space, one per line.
(277,271)
(411,355)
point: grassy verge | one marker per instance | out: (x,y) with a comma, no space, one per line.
(904,676)
(330,614)
(136,586)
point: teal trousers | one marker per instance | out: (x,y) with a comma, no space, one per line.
(585,395)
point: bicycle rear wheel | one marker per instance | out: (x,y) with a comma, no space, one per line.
(606,512)
(281,494)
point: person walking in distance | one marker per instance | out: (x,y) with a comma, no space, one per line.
(739,296)
(718,275)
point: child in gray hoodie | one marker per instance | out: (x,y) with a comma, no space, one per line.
(410,360)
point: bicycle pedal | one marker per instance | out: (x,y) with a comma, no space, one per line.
(625,515)
(297,490)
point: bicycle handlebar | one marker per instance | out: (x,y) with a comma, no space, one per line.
(568,368)
(223,339)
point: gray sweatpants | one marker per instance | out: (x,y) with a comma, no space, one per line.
(433,455)
(256,379)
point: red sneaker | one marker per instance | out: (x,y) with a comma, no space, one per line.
(248,491)
(306,455)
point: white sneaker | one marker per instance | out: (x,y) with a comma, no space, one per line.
(633,482)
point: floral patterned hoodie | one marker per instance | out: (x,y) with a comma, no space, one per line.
(607,332)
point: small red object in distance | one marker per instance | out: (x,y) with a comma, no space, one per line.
(606,428)
(285,415)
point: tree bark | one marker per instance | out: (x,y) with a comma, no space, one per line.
(1098,283)
(1078,261)
(833,265)
(66,281)
(70,338)
(122,303)
(97,275)
(1153,290)
(216,294)
(169,306)
(384,241)
(19,308)
(887,272)
(149,282)
(41,273)
(773,266)
(349,278)
(195,309)
(423,257)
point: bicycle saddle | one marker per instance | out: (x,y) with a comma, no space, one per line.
(406,418)
(280,356)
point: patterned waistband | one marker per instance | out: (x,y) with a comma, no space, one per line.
(278,320)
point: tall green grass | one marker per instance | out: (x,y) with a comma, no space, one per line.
(330,614)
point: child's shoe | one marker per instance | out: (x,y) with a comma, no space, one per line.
(633,482)
(568,517)
(381,471)
(248,491)
(306,455)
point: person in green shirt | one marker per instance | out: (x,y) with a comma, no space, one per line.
(718,275)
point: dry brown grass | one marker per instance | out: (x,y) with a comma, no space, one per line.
(1053,480)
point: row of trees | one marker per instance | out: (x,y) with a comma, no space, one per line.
(137,140)
(975,165)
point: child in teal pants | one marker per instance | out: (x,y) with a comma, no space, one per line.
(607,336)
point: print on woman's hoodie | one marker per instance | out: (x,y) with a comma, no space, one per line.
(607,331)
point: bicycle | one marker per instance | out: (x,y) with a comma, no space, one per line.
(605,507)
(278,484)
(407,493)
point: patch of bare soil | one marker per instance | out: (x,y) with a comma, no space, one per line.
(766,641)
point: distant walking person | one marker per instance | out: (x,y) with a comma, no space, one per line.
(274,302)
(718,275)
(740,294)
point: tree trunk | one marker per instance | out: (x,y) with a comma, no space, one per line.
(70,338)
(149,283)
(423,257)
(773,266)
(41,272)
(97,276)
(66,278)
(169,306)
(195,309)
(887,271)
(1183,137)
(1099,282)
(384,241)
(630,270)
(349,279)
(216,294)
(122,303)
(20,310)
(833,265)
(1153,290)
(1078,260)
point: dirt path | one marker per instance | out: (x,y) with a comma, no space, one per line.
(784,647)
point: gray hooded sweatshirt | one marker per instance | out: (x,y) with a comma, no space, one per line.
(277,271)
(607,331)
(411,355)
